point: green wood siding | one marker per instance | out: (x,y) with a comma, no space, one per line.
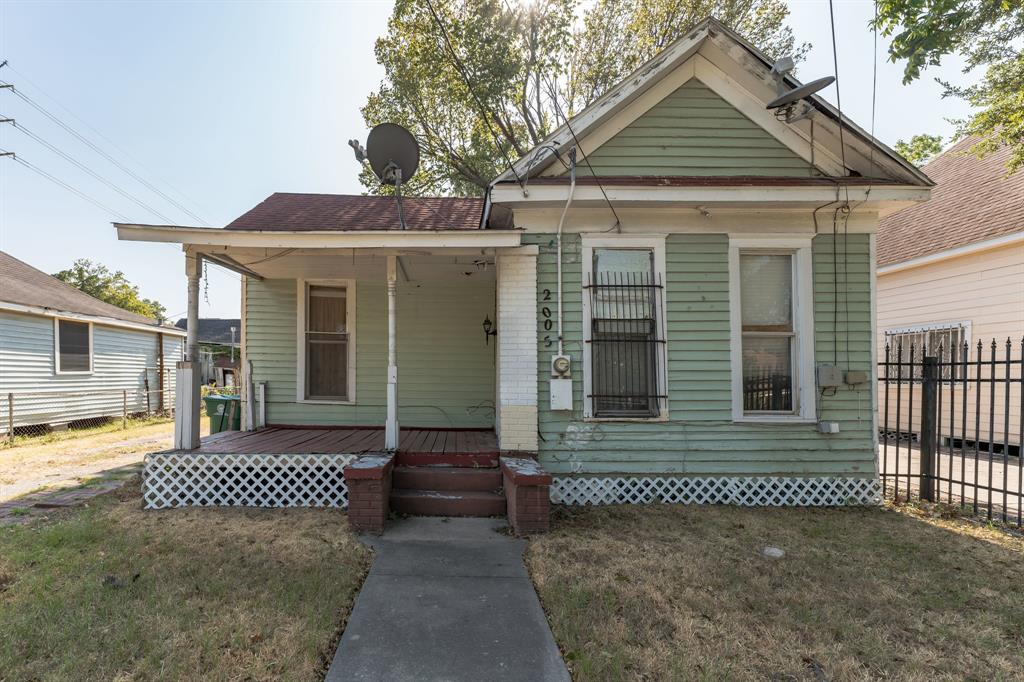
(700,438)
(445,370)
(694,131)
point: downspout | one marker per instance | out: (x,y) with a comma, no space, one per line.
(558,242)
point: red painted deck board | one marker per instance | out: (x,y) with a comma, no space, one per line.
(277,440)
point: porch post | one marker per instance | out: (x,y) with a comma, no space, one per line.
(516,413)
(391,426)
(186,394)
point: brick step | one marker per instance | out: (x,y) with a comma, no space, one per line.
(446,478)
(447,503)
(454,459)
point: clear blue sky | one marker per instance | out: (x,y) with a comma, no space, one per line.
(229,102)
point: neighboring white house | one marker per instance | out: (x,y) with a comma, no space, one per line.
(66,357)
(951,271)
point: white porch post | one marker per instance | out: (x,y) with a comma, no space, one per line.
(391,426)
(186,395)
(516,413)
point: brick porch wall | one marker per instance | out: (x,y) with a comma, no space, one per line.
(528,495)
(369,489)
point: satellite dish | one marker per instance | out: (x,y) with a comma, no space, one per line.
(793,96)
(393,153)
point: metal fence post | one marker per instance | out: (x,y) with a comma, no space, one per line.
(124,409)
(929,437)
(10,418)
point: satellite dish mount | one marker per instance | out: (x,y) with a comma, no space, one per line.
(790,105)
(393,154)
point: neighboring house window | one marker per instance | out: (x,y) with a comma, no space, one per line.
(326,329)
(624,308)
(73,346)
(944,341)
(772,346)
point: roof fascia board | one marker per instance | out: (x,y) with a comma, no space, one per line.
(368,239)
(966,250)
(95,319)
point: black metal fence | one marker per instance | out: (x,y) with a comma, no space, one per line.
(952,426)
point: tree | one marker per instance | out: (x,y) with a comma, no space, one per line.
(920,149)
(987,33)
(111,287)
(528,69)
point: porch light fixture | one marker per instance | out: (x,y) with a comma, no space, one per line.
(489,329)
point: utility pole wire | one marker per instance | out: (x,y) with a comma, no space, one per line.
(138,178)
(70,159)
(61,183)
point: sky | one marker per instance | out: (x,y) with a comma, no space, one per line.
(219,104)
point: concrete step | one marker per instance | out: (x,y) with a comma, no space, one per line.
(451,459)
(447,503)
(447,478)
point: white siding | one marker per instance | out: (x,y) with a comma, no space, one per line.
(122,361)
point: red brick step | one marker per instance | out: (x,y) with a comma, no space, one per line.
(447,478)
(447,502)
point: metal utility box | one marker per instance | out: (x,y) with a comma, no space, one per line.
(561,394)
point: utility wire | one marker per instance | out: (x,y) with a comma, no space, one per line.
(72,160)
(461,68)
(113,144)
(89,143)
(61,183)
(845,209)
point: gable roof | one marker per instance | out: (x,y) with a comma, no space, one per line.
(290,212)
(972,201)
(215,329)
(22,284)
(714,47)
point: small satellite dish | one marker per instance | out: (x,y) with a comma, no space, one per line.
(393,153)
(793,96)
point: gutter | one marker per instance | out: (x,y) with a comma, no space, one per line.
(976,247)
(84,317)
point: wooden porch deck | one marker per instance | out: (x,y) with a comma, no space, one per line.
(277,440)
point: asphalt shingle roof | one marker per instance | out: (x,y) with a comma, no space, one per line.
(972,201)
(288,212)
(22,284)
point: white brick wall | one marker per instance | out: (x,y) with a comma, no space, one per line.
(516,416)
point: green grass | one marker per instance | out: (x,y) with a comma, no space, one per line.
(684,593)
(111,592)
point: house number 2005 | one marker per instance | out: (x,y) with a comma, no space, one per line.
(546,314)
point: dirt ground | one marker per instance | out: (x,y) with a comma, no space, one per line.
(72,461)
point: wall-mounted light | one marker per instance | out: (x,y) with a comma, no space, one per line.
(489,329)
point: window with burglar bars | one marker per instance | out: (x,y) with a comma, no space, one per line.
(625,303)
(944,342)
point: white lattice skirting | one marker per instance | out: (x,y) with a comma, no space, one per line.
(208,480)
(762,491)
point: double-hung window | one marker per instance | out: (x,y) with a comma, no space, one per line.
(625,354)
(326,321)
(772,345)
(73,346)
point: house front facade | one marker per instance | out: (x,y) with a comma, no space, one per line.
(670,299)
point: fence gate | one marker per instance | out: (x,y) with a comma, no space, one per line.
(952,426)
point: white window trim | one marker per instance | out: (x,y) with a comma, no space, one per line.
(300,338)
(932,326)
(803,325)
(56,348)
(655,242)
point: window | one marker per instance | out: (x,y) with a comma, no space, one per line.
(326,333)
(944,341)
(73,346)
(772,355)
(625,349)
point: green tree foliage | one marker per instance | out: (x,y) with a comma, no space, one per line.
(988,34)
(111,287)
(529,67)
(920,149)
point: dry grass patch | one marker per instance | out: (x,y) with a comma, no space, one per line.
(684,593)
(112,592)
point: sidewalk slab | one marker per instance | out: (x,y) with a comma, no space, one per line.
(447,599)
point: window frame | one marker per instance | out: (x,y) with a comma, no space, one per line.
(656,244)
(804,387)
(56,348)
(965,337)
(302,301)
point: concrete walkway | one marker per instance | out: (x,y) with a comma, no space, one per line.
(447,599)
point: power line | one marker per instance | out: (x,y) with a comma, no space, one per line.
(61,183)
(70,159)
(89,143)
(461,68)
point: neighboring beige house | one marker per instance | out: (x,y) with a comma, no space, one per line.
(952,269)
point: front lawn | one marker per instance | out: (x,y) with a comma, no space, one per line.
(111,592)
(685,593)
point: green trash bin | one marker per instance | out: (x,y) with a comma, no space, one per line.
(224,411)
